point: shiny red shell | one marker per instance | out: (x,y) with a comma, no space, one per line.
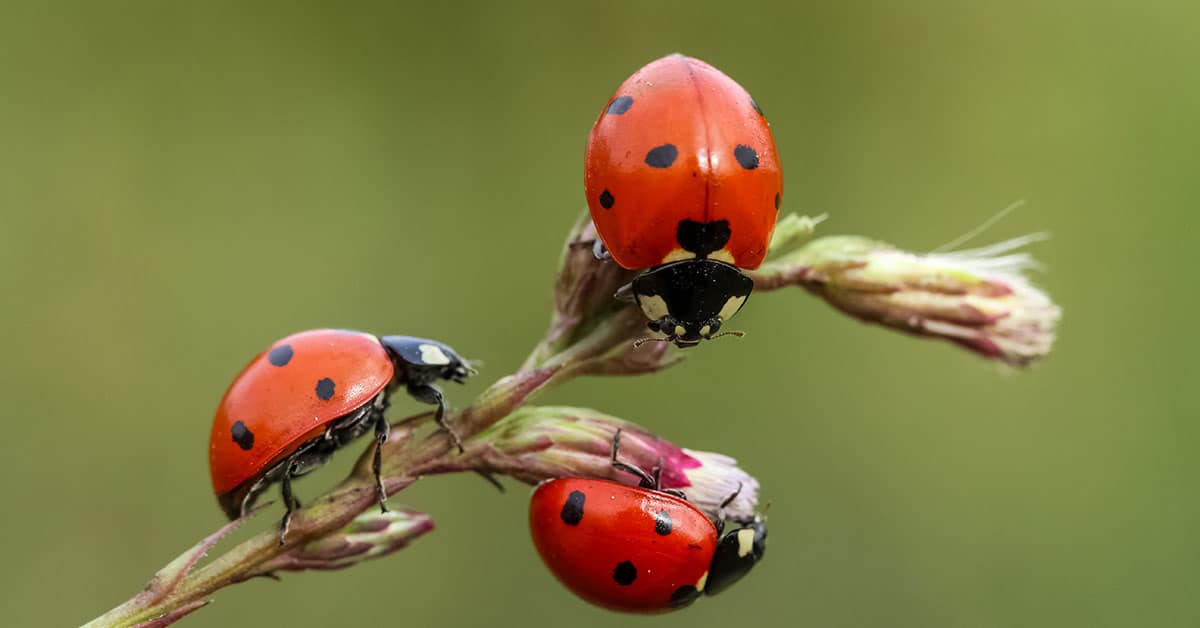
(681,140)
(621,547)
(289,394)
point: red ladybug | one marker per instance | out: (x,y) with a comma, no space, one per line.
(682,178)
(637,549)
(307,396)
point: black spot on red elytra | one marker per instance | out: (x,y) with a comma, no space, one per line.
(684,596)
(325,389)
(242,436)
(746,157)
(662,156)
(572,510)
(620,105)
(625,573)
(663,523)
(606,199)
(777,201)
(280,356)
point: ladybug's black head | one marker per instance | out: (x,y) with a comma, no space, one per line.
(433,359)
(688,301)
(738,551)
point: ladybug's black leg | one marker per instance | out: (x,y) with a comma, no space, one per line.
(658,482)
(289,500)
(491,479)
(381,436)
(644,479)
(431,394)
(721,509)
(251,496)
(624,294)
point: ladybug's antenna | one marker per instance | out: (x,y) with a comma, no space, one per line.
(641,341)
(739,334)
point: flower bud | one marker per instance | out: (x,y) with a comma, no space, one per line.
(370,535)
(978,299)
(583,290)
(540,443)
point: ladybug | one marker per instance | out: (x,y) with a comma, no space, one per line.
(638,549)
(310,394)
(683,179)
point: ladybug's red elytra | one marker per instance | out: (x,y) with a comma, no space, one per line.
(683,179)
(310,394)
(638,549)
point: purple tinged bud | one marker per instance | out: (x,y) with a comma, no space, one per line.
(370,535)
(541,443)
(979,299)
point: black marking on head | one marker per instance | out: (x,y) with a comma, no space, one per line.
(746,157)
(756,107)
(695,292)
(702,238)
(408,350)
(730,562)
(663,523)
(280,356)
(325,389)
(684,596)
(662,156)
(606,199)
(242,436)
(620,105)
(777,197)
(625,573)
(572,510)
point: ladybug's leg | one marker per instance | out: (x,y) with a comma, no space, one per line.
(381,436)
(624,294)
(431,394)
(721,509)
(491,479)
(658,482)
(251,496)
(289,500)
(644,479)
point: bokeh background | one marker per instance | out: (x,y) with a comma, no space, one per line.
(180,185)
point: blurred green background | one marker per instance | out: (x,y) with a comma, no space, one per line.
(180,185)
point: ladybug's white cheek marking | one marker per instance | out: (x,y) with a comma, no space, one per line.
(701,582)
(722,256)
(653,306)
(731,307)
(745,542)
(677,255)
(432,354)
